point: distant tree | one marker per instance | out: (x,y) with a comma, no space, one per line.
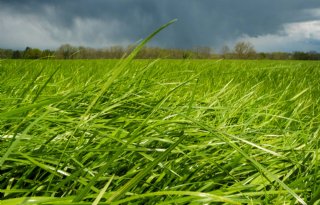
(16,54)
(32,53)
(26,52)
(117,51)
(202,52)
(66,51)
(314,55)
(311,55)
(47,53)
(6,53)
(187,54)
(262,55)
(244,50)
(298,55)
(279,56)
(225,51)
(35,53)
(83,53)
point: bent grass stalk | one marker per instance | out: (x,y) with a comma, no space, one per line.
(115,73)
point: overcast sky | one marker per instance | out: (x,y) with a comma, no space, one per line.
(270,25)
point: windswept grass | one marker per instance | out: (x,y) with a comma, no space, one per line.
(159,132)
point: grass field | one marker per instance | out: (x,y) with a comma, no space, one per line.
(159,132)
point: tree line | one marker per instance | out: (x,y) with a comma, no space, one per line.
(241,50)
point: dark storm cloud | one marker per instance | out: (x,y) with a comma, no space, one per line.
(200,23)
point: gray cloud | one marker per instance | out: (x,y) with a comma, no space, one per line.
(100,23)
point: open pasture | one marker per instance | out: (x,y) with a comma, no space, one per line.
(159,131)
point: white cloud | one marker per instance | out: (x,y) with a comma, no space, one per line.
(315,12)
(18,31)
(21,30)
(298,36)
(304,30)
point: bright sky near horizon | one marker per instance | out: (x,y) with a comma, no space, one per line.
(273,25)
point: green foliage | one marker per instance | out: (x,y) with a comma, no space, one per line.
(242,50)
(159,132)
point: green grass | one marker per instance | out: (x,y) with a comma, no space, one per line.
(159,132)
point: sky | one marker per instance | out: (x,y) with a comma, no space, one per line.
(270,25)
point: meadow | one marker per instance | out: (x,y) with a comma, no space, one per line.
(159,132)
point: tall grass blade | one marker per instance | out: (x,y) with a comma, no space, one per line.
(119,68)
(135,180)
(256,164)
(123,64)
(45,84)
(103,190)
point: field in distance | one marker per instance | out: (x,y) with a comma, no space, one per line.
(159,131)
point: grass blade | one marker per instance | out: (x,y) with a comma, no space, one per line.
(123,64)
(135,180)
(103,190)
